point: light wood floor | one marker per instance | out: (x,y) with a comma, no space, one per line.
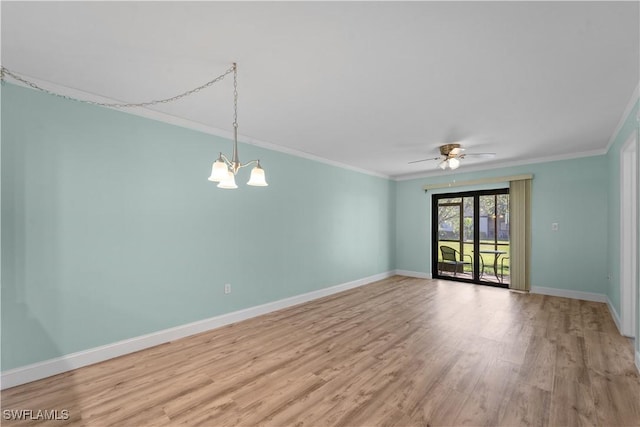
(397,352)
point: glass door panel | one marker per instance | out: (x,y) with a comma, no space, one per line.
(455,237)
(471,236)
(494,238)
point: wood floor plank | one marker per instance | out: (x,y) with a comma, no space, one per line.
(439,407)
(609,354)
(571,359)
(538,368)
(616,400)
(487,401)
(401,351)
(572,404)
(528,405)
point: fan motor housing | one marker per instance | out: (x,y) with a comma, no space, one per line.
(446,149)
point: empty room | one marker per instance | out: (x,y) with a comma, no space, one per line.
(320,213)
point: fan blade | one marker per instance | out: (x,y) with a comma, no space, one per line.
(456,151)
(425,160)
(479,155)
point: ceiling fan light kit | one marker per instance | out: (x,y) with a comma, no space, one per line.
(451,154)
(451,163)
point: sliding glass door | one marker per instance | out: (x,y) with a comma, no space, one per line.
(455,229)
(470,236)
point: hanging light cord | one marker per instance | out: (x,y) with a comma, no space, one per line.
(5,72)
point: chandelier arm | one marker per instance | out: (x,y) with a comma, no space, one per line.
(223,157)
(5,72)
(242,165)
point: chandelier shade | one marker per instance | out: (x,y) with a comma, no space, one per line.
(219,171)
(229,183)
(257,178)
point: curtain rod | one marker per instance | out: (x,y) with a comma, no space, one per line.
(428,187)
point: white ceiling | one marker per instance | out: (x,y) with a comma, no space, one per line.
(372,85)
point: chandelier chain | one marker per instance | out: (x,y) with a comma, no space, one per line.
(235,95)
(5,72)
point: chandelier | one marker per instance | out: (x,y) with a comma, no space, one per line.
(224,170)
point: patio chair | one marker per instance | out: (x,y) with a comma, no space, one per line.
(451,257)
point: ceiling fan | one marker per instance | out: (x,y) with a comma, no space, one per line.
(451,154)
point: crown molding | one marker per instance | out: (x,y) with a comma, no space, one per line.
(632,102)
(211,130)
(499,165)
(184,123)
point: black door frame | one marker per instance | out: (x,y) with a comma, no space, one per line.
(476,234)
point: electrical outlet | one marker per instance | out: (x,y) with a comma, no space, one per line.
(554,226)
(227,288)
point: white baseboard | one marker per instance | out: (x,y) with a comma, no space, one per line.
(416,274)
(58,365)
(566,293)
(615,315)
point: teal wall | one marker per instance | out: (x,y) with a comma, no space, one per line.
(572,193)
(110,229)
